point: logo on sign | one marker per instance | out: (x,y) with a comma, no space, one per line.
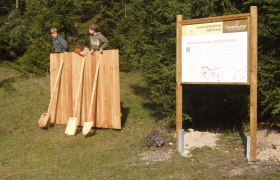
(235,26)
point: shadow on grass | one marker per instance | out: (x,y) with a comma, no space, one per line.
(125,112)
(7,84)
(244,140)
(141,91)
(144,92)
(91,133)
(155,110)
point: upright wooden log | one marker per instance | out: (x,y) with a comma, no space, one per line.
(179,91)
(253,80)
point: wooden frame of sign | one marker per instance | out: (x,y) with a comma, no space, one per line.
(218,50)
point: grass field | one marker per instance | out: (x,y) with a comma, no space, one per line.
(27,152)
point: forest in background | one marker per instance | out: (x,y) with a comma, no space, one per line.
(145,33)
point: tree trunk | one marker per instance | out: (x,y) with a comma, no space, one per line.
(17,1)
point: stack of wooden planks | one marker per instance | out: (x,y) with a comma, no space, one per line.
(107,112)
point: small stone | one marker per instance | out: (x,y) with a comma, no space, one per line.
(155,138)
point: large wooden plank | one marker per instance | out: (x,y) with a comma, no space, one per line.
(85,91)
(66,101)
(63,108)
(54,60)
(104,95)
(106,112)
(92,61)
(54,70)
(76,70)
(89,73)
(116,93)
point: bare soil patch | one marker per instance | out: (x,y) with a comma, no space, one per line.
(196,139)
(159,154)
(268,145)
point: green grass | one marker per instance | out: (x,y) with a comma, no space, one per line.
(27,152)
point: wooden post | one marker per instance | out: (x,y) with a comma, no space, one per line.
(179,99)
(253,80)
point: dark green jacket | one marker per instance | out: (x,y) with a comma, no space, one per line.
(98,42)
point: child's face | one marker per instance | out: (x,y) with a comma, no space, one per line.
(54,34)
(91,31)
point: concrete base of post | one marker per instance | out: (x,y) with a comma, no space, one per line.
(181,140)
(248,148)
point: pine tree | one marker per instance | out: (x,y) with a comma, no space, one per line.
(41,16)
(268,58)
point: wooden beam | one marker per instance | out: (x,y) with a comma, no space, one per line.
(253,81)
(216,19)
(219,83)
(179,99)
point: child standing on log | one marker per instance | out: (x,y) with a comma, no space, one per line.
(97,42)
(60,45)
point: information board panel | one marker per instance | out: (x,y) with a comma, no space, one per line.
(218,50)
(215,52)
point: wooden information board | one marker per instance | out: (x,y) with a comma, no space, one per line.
(218,50)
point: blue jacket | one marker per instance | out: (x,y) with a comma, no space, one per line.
(60,45)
